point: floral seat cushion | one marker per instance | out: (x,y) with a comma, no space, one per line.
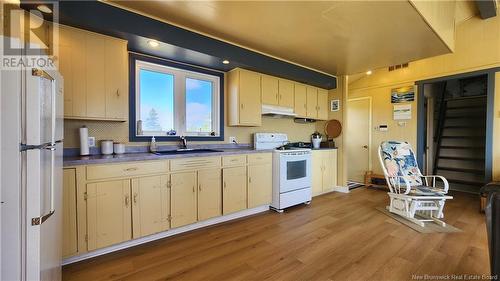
(399,160)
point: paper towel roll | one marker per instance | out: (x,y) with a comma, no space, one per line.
(84,141)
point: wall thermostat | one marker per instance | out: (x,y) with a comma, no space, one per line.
(383,128)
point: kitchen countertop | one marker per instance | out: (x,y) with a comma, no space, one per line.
(146,156)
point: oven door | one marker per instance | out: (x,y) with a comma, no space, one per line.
(295,171)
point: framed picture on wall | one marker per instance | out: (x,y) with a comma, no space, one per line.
(334,105)
(403,94)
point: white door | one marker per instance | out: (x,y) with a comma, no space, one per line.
(358,138)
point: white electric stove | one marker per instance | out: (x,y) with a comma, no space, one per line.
(291,170)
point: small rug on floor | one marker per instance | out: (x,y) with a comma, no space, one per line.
(352,185)
(430,227)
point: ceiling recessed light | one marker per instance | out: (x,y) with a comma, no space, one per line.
(44,9)
(225,62)
(153,43)
(369,72)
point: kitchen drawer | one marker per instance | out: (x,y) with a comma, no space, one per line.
(96,172)
(193,163)
(260,158)
(234,160)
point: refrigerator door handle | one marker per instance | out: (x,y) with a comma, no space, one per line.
(42,219)
(48,146)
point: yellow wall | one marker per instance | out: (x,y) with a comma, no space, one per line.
(477,46)
(340,93)
(382,111)
(118,131)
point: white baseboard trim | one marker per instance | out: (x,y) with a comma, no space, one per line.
(170,232)
(343,189)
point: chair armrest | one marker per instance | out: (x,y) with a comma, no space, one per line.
(445,182)
(398,183)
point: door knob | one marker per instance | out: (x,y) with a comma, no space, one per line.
(365,146)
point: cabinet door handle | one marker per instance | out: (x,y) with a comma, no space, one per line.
(135,198)
(199,187)
(241,106)
(281,97)
(117,92)
(225,185)
(249,180)
(131,169)
(277,96)
(194,189)
(127,200)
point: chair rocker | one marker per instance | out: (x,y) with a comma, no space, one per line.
(412,195)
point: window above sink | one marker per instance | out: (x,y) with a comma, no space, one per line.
(169,100)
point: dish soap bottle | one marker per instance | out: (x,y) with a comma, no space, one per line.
(152,145)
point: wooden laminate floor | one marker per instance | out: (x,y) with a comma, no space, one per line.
(338,237)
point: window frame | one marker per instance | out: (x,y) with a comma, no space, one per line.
(152,62)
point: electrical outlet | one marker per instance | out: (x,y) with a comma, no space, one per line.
(91,141)
(232,140)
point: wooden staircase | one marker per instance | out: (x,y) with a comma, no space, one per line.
(459,140)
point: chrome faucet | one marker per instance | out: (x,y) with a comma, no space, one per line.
(183,142)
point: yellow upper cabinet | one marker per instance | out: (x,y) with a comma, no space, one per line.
(116,78)
(95,72)
(244,98)
(322,104)
(286,93)
(312,102)
(276,91)
(300,103)
(270,93)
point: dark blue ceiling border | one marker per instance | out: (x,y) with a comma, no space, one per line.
(180,44)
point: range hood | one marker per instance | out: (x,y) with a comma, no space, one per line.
(277,111)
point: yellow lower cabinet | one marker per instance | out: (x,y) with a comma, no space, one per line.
(234,191)
(317,172)
(109,218)
(330,172)
(324,174)
(260,185)
(183,199)
(70,236)
(150,205)
(209,193)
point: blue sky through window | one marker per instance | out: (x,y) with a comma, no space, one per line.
(198,105)
(156,100)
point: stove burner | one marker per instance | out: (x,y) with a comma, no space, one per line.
(292,145)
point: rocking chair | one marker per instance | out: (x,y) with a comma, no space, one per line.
(413,196)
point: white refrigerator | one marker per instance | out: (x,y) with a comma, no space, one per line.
(31,174)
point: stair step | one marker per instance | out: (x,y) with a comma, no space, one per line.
(467,107)
(461,127)
(466,182)
(463,170)
(467,98)
(468,116)
(462,147)
(474,159)
(463,137)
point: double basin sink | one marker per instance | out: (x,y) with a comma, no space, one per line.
(186,151)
